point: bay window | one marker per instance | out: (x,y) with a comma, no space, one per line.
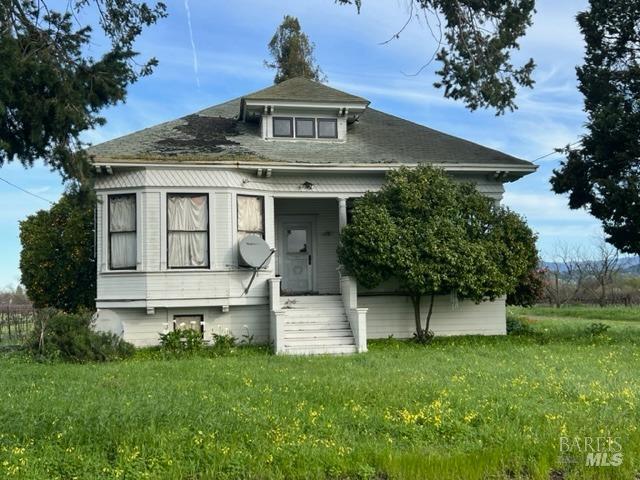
(187,230)
(250,216)
(122,231)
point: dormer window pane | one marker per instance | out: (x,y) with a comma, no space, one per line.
(327,128)
(282,127)
(305,128)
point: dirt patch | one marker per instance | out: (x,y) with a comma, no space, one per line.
(208,134)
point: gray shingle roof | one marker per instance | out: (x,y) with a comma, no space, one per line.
(215,135)
(302,89)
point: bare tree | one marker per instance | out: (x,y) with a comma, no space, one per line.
(567,274)
(603,268)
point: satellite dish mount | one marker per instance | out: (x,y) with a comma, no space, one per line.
(255,253)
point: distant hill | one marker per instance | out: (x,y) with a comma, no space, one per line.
(629,265)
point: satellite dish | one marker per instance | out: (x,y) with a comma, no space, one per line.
(254,251)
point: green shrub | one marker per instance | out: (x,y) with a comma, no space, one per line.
(223,343)
(517,326)
(182,341)
(71,337)
(597,329)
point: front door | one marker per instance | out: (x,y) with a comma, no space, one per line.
(296,257)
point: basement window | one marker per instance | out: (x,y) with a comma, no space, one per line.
(282,127)
(189,322)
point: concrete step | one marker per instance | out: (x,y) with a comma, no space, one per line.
(321,350)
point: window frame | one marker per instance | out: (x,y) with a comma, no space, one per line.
(313,121)
(334,121)
(183,315)
(273,125)
(261,234)
(168,230)
(110,233)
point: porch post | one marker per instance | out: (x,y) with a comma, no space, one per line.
(342,213)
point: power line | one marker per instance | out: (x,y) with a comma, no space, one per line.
(26,191)
(555,151)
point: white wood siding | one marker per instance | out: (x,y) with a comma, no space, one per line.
(144,330)
(393,315)
(340,182)
(223,283)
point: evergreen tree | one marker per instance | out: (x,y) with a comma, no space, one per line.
(474,43)
(435,236)
(51,89)
(292,53)
(57,257)
(603,173)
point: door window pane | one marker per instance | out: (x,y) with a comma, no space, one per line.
(282,127)
(297,241)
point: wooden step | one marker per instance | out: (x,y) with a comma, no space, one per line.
(317,323)
(297,334)
(313,342)
(316,350)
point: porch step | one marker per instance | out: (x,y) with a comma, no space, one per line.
(316,350)
(316,324)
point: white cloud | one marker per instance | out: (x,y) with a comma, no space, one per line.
(545,206)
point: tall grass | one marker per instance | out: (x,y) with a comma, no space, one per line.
(584,312)
(460,408)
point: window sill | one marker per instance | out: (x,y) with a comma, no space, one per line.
(184,270)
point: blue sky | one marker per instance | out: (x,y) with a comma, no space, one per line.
(230,41)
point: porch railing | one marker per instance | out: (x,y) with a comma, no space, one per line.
(276,329)
(357,316)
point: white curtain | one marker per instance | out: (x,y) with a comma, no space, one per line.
(250,214)
(122,228)
(188,238)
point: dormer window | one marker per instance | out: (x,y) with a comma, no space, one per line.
(305,128)
(282,127)
(327,128)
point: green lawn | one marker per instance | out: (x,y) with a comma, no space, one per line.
(489,408)
(580,312)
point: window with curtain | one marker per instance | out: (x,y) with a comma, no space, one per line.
(250,216)
(122,232)
(187,230)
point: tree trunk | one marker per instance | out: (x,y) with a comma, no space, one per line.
(415,299)
(433,296)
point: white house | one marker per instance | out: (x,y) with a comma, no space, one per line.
(282,163)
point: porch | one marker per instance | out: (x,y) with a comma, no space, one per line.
(313,309)
(307,231)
